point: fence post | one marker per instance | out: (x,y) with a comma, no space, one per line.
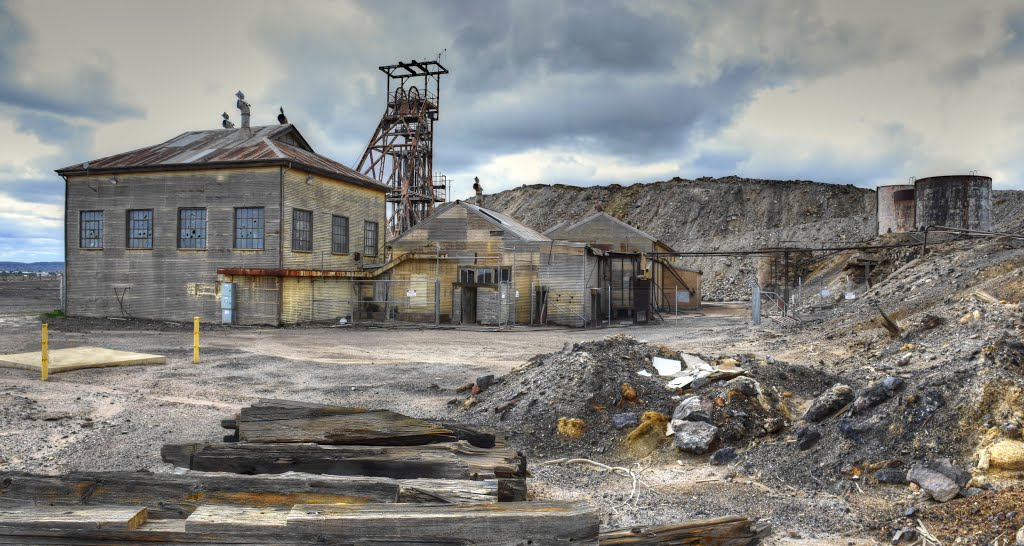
(755,303)
(195,340)
(45,364)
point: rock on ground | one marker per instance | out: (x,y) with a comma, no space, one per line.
(695,436)
(832,400)
(939,486)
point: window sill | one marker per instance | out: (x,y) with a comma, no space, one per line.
(89,248)
(193,249)
(248,250)
(340,253)
(302,251)
(146,249)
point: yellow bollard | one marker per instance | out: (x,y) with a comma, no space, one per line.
(195,340)
(45,368)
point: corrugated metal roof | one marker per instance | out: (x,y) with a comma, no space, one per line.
(520,230)
(505,222)
(269,144)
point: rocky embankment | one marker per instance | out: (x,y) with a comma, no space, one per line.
(710,214)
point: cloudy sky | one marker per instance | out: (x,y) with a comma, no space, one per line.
(580,92)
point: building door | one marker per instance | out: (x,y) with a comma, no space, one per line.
(541,306)
(469,305)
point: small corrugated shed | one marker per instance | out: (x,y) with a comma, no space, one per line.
(269,145)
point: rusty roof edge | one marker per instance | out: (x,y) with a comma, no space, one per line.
(277,162)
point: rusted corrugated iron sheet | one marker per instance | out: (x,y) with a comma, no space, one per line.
(225,148)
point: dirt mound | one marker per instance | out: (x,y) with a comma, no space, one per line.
(605,398)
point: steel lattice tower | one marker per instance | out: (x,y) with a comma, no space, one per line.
(401,152)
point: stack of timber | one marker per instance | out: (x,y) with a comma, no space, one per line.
(296,473)
(275,436)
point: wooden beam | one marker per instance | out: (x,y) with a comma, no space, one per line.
(454,461)
(537,523)
(447,491)
(336,426)
(177,495)
(722,531)
(72,518)
(212,518)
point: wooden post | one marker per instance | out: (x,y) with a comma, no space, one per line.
(195,340)
(45,368)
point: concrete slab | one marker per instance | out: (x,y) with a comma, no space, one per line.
(79,358)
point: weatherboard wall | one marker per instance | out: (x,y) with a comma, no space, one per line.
(326,198)
(166,282)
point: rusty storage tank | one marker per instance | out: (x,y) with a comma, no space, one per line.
(896,209)
(958,201)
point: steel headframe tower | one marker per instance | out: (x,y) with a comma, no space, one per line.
(401,152)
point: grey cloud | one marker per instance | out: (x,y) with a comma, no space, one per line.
(87,92)
(49,190)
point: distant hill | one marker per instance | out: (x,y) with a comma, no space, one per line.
(33,267)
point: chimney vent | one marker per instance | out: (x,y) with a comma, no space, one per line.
(243,107)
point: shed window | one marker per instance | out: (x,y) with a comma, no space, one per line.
(90,229)
(339,235)
(302,230)
(370,238)
(484,275)
(192,228)
(140,228)
(249,228)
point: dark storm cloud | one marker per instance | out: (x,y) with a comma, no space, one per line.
(86,92)
(598,77)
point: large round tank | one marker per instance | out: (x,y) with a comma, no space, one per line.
(958,201)
(895,208)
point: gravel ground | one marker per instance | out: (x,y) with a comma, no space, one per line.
(117,418)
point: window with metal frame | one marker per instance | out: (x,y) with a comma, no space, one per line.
(192,228)
(370,238)
(302,230)
(90,229)
(140,229)
(249,228)
(339,234)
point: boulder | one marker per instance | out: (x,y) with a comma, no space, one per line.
(894,476)
(1007,455)
(939,486)
(725,455)
(743,384)
(1020,536)
(694,436)
(484,381)
(807,437)
(693,408)
(951,471)
(877,393)
(624,420)
(832,400)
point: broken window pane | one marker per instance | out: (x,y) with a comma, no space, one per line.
(90,229)
(249,228)
(140,228)
(192,228)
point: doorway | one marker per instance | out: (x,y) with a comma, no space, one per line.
(469,305)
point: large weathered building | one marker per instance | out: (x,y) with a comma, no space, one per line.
(147,231)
